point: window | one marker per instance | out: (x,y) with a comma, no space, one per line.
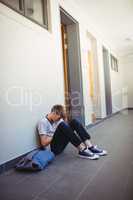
(36,10)
(13,3)
(114,63)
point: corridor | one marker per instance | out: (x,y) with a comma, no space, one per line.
(73,178)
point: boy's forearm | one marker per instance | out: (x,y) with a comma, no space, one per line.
(46,141)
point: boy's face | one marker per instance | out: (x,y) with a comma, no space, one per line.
(56,117)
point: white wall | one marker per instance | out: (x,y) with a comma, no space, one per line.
(117,87)
(126,63)
(31,62)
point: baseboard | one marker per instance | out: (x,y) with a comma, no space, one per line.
(130,108)
(100,120)
(11,164)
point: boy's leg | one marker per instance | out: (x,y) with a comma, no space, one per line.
(62,136)
(85,137)
(80,130)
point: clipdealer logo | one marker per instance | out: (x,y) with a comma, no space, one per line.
(19,96)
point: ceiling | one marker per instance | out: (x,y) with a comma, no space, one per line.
(113,19)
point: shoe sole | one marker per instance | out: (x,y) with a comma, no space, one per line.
(101,154)
(90,158)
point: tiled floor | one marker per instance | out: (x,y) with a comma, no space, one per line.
(73,178)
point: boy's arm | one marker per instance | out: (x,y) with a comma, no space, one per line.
(45,140)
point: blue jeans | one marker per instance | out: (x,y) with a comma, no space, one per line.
(73,132)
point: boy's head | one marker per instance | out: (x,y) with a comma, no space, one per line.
(58,112)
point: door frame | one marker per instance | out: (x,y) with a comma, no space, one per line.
(107,81)
(74,64)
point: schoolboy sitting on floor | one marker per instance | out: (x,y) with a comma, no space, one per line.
(54,130)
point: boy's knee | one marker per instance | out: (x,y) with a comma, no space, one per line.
(74,122)
(63,125)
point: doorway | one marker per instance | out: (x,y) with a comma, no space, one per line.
(108,95)
(72,67)
(94,79)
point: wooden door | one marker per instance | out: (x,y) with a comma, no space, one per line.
(66,73)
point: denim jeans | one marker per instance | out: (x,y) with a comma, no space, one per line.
(72,132)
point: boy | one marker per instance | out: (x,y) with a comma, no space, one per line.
(54,130)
